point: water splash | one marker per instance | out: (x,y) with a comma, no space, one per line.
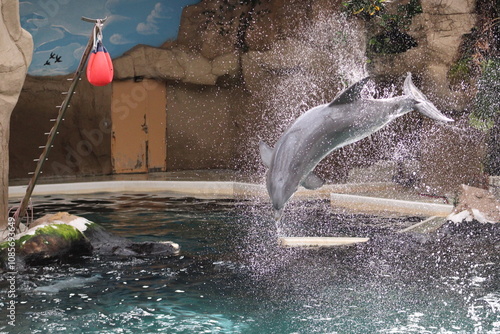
(310,69)
(73,283)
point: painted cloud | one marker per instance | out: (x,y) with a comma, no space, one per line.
(157,15)
(57,28)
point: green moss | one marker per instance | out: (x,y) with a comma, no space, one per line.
(460,71)
(67,232)
(481,124)
(486,103)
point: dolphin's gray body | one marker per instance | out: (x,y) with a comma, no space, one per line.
(322,129)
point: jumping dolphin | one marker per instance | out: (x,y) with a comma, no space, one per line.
(322,129)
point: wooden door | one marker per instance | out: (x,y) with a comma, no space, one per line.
(138,114)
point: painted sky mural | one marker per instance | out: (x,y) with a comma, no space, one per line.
(60,36)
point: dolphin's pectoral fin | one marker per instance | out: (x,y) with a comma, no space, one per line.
(351,94)
(312,181)
(266,153)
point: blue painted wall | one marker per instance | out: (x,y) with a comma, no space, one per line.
(56,28)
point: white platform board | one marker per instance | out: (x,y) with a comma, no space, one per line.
(379,205)
(319,241)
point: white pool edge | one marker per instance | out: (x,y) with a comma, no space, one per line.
(186,188)
(231,189)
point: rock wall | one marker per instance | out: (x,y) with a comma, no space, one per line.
(452,155)
(241,73)
(16,48)
(438,32)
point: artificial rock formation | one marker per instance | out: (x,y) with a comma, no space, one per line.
(174,64)
(237,73)
(16,48)
(476,204)
(438,31)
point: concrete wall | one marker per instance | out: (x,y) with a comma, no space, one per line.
(201,128)
(83,144)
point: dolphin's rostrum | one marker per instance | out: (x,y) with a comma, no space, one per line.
(322,129)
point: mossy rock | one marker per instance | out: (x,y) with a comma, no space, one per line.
(51,239)
(63,237)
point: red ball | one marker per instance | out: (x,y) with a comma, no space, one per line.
(100,66)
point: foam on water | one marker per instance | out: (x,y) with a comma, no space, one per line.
(70,283)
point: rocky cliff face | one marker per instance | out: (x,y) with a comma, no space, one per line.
(238,73)
(438,32)
(16,48)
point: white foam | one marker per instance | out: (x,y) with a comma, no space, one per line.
(468,216)
(69,283)
(80,223)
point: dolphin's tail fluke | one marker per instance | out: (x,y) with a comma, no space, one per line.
(422,104)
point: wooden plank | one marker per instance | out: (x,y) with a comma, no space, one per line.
(428,225)
(319,241)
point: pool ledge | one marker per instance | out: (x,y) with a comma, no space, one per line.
(239,190)
(200,189)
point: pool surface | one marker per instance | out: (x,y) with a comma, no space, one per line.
(231,276)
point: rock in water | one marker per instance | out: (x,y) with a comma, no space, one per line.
(57,237)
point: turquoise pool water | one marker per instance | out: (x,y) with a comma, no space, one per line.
(231,277)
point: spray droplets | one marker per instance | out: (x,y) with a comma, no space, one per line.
(309,69)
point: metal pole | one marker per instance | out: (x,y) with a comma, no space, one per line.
(21,211)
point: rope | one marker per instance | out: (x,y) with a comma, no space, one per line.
(29,215)
(97,32)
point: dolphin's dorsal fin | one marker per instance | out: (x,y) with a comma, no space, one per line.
(351,94)
(266,153)
(312,181)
